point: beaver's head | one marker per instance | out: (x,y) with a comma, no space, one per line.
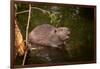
(63,33)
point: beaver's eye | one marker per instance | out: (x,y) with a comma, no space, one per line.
(55,31)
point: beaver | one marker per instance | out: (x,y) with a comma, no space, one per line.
(48,35)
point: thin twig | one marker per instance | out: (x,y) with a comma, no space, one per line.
(22,12)
(44,11)
(29,15)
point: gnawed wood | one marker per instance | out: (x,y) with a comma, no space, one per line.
(19,42)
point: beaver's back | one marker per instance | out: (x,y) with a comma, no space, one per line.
(41,34)
(44,29)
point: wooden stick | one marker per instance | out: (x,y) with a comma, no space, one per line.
(44,11)
(29,15)
(22,12)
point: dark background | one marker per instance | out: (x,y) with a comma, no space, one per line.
(79,19)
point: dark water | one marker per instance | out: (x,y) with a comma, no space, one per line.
(80,47)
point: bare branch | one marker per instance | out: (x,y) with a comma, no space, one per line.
(44,11)
(29,15)
(22,12)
